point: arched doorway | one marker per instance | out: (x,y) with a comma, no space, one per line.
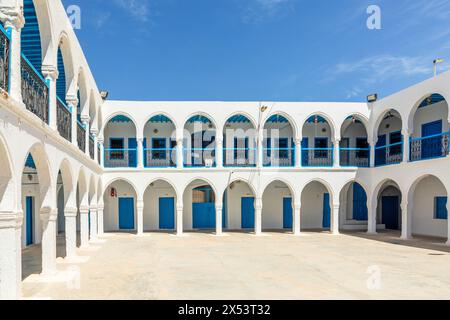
(277,210)
(160,143)
(317,143)
(120,143)
(278,143)
(389,147)
(199,200)
(199,142)
(354,146)
(239,206)
(353,207)
(239,143)
(160,200)
(120,213)
(389,212)
(316,208)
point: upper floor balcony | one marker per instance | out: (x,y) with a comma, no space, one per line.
(57,91)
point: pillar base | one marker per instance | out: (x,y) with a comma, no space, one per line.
(73,260)
(372,233)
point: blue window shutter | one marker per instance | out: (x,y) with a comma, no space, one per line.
(441,208)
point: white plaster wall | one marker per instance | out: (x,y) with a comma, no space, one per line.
(272,212)
(119,130)
(158,189)
(111,211)
(312,206)
(312,130)
(238,191)
(394,123)
(354,131)
(423,216)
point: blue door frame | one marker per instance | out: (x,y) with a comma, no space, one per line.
(287,213)
(29,219)
(432,147)
(204,215)
(167,213)
(326,222)
(248,212)
(360,212)
(390,212)
(126,213)
(380,154)
(132,154)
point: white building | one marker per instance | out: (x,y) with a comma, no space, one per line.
(76,166)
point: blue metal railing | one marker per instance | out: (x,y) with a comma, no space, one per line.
(35,90)
(434,146)
(389,154)
(199,157)
(239,157)
(317,157)
(81,136)
(64,119)
(279,157)
(160,157)
(355,157)
(120,158)
(5,60)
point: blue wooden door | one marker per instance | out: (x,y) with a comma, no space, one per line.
(305,153)
(287,213)
(166,213)
(390,212)
(126,213)
(29,219)
(360,211)
(248,213)
(380,154)
(203,215)
(326,222)
(132,152)
(432,147)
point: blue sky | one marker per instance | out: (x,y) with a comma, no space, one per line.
(260,50)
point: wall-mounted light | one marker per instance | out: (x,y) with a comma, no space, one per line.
(104,94)
(372,98)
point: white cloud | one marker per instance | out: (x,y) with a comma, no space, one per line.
(139,9)
(102,19)
(255,11)
(384,67)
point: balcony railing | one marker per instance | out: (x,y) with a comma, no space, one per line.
(317,157)
(355,157)
(81,136)
(120,158)
(239,157)
(91,146)
(278,157)
(4,59)
(199,157)
(35,91)
(389,154)
(64,116)
(435,146)
(160,158)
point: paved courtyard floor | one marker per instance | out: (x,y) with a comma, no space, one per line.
(242,266)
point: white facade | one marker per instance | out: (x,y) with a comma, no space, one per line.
(91,190)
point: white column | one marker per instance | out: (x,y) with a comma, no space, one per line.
(219,150)
(48,218)
(372,154)
(11,255)
(140,217)
(93,223)
(296,225)
(72,103)
(298,152)
(179,219)
(94,134)
(337,153)
(335,219)
(180,153)
(406,147)
(85,120)
(84,227)
(260,149)
(140,153)
(102,151)
(406,220)
(51,74)
(70,217)
(258,216)
(372,215)
(14,24)
(219,217)
(100,226)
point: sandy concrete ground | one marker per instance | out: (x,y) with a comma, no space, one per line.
(242,266)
